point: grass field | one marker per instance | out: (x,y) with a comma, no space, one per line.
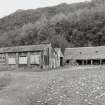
(68,86)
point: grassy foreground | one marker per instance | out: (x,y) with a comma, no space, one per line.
(61,87)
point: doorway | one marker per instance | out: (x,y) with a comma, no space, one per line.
(61,61)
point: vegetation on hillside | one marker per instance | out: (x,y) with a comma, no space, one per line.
(80,24)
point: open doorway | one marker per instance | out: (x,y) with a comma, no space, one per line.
(103,61)
(61,61)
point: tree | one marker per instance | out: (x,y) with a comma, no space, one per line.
(42,26)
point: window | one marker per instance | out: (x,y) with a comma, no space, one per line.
(35,59)
(12,60)
(23,59)
(2,59)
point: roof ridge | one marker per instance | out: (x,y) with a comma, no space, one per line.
(24,48)
(85,47)
(24,45)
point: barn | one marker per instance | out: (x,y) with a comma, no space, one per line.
(42,56)
(85,55)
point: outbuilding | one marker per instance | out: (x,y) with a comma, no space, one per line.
(42,56)
(85,55)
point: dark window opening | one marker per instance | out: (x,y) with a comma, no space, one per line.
(68,61)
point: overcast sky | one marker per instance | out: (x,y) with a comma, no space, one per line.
(9,6)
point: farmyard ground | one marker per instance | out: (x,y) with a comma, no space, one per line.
(66,86)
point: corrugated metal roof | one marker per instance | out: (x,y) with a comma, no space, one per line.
(39,47)
(97,52)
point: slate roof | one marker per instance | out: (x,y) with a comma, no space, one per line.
(24,48)
(97,52)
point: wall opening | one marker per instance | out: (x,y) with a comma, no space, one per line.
(85,62)
(61,61)
(103,61)
(79,62)
(96,62)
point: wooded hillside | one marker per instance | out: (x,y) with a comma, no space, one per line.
(65,25)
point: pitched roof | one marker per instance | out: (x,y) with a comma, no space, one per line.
(58,50)
(39,47)
(97,52)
